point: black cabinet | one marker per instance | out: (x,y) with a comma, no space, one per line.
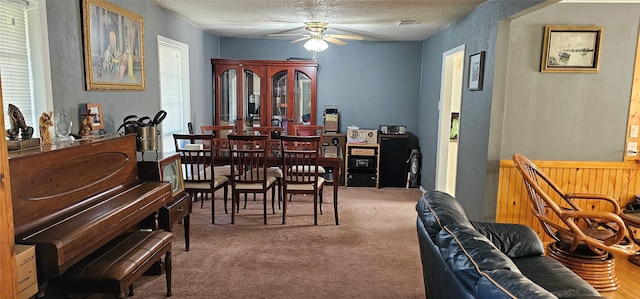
(394,153)
(362,165)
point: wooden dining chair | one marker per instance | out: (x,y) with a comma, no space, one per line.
(273,143)
(300,164)
(583,239)
(250,171)
(273,136)
(200,177)
(220,134)
(310,130)
(220,145)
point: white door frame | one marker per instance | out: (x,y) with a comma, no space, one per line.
(448,82)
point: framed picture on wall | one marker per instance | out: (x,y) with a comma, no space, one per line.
(571,49)
(95,110)
(476,71)
(113,47)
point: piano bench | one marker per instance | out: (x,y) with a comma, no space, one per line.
(114,267)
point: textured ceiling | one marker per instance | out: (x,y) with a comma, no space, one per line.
(375,20)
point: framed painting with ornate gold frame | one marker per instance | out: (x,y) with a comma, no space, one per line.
(571,49)
(113,47)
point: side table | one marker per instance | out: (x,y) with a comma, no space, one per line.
(175,211)
(168,168)
(631,219)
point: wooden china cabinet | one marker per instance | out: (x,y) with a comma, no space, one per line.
(276,93)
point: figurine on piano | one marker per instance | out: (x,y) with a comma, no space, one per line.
(18,125)
(45,123)
(87,125)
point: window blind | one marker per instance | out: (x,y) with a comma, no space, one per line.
(15,61)
(171,92)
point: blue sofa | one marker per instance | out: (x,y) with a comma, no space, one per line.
(468,259)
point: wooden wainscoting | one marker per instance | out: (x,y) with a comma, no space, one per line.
(619,180)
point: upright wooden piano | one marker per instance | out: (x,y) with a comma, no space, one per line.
(70,199)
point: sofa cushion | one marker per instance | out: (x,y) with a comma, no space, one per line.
(514,240)
(555,277)
(438,209)
(468,253)
(500,283)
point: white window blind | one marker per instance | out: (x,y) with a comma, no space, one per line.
(15,60)
(173,66)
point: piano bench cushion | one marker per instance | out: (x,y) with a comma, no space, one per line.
(114,267)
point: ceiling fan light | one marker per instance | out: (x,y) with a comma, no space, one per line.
(316,44)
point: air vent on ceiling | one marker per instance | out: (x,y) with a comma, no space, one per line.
(406,22)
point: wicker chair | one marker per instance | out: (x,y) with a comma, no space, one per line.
(584,240)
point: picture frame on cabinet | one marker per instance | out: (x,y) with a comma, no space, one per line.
(171,171)
(113,47)
(95,110)
(571,49)
(476,71)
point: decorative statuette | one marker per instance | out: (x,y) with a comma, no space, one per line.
(87,124)
(45,123)
(18,125)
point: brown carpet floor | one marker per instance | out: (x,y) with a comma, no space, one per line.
(373,253)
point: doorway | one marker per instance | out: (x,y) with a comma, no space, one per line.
(449,117)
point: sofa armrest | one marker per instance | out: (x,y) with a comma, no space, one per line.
(514,240)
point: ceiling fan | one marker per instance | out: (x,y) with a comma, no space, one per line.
(316,37)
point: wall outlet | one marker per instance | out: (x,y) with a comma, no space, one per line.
(632,149)
(633,132)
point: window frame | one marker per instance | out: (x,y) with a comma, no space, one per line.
(40,73)
(167,144)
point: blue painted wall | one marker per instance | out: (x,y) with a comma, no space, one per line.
(478,32)
(373,83)
(67,64)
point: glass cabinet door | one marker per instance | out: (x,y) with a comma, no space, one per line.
(251,102)
(302,113)
(238,99)
(228,98)
(292,96)
(279,103)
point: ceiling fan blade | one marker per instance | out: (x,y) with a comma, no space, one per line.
(301,39)
(344,36)
(334,40)
(285,34)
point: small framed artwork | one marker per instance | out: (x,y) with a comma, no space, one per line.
(113,47)
(163,168)
(95,110)
(171,171)
(476,70)
(571,49)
